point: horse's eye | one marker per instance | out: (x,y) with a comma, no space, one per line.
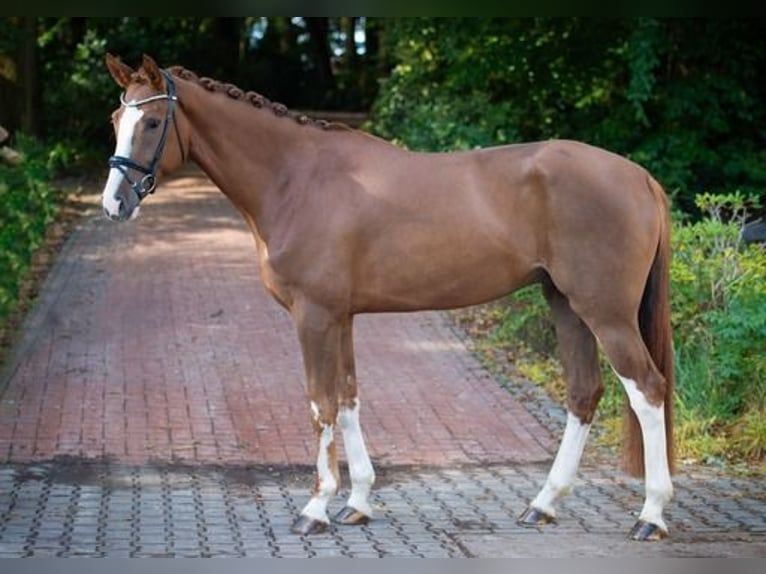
(152,123)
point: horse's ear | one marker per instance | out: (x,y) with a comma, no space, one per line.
(153,74)
(120,72)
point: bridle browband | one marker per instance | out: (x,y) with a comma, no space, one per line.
(148,182)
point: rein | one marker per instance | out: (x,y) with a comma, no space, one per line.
(148,182)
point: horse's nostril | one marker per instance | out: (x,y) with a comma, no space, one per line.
(112,216)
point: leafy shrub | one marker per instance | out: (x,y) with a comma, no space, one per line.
(719,290)
(27,206)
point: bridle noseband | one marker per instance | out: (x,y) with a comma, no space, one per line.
(148,182)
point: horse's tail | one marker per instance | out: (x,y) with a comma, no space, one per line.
(654,323)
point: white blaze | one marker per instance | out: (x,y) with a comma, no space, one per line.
(125,131)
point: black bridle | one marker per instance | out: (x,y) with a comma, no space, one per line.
(148,182)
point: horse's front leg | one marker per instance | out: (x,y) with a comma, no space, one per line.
(319,332)
(357,509)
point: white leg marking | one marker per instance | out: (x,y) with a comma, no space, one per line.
(125,131)
(327,485)
(564,469)
(314,411)
(359,464)
(659,487)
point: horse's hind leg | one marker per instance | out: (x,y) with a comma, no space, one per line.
(357,509)
(579,356)
(646,390)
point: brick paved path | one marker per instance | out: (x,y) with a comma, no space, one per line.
(154,407)
(155,340)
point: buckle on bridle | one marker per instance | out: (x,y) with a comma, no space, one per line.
(148,183)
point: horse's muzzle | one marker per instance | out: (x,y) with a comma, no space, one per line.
(124,212)
(124,205)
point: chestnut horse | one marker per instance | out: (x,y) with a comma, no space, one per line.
(347,223)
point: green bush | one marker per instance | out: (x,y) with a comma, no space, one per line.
(27,206)
(719,316)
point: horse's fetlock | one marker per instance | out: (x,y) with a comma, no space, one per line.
(327,487)
(660,492)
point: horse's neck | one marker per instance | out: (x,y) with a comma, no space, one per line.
(245,151)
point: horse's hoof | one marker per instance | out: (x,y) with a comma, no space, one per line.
(533,518)
(647,532)
(350,516)
(305,525)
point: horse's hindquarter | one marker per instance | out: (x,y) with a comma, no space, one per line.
(602,227)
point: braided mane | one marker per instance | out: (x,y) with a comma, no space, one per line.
(254,99)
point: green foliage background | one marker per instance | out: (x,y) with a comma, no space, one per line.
(277,56)
(27,205)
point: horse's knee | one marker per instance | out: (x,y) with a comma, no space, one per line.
(324,412)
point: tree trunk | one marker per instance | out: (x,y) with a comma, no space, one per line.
(286,33)
(227,33)
(319,31)
(79,27)
(8,104)
(348,26)
(28,76)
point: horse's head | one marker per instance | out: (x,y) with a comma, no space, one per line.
(149,138)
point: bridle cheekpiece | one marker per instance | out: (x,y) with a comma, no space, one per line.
(148,182)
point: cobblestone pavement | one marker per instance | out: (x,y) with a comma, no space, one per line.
(116,510)
(154,407)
